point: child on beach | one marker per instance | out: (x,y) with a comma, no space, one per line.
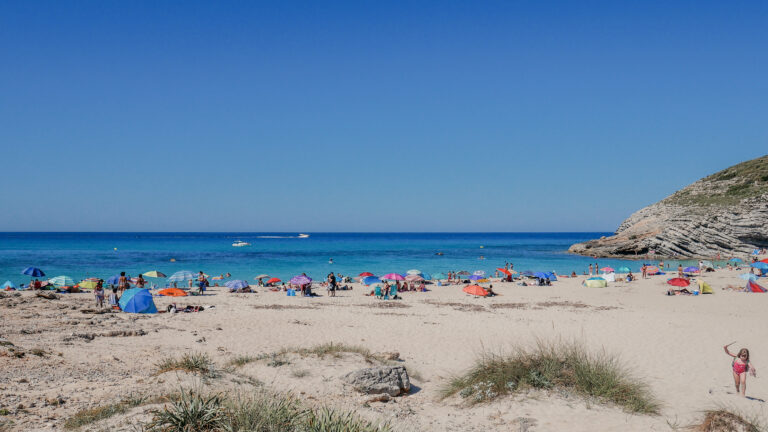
(98,292)
(741,366)
(114,299)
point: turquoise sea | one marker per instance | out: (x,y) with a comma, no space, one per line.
(283,255)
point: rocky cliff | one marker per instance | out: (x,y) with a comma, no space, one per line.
(725,213)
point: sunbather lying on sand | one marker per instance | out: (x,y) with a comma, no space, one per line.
(683,291)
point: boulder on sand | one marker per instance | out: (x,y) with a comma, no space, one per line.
(391,380)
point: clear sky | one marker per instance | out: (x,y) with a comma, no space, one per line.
(370,115)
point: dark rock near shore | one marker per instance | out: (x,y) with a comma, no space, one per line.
(390,380)
(725,213)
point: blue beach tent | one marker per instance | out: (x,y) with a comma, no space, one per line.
(8,285)
(137,300)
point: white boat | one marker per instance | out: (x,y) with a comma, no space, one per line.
(240,243)
(303,235)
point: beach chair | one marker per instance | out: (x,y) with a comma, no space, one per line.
(393,291)
(377,291)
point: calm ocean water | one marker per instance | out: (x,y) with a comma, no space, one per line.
(283,255)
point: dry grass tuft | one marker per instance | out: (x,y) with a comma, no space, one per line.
(725,420)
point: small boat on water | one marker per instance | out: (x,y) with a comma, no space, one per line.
(303,235)
(240,243)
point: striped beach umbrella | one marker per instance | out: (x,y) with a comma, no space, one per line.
(154,274)
(181,276)
(236,284)
(300,280)
(60,281)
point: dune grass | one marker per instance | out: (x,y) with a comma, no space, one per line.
(557,366)
(242,360)
(91,415)
(727,420)
(199,363)
(258,412)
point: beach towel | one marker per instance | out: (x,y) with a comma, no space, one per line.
(755,288)
(172,292)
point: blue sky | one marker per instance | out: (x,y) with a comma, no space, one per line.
(370,116)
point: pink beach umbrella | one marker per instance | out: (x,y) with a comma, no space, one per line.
(607,269)
(414,278)
(393,276)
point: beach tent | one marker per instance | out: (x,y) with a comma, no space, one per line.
(551,276)
(596,283)
(679,282)
(476,290)
(754,287)
(704,287)
(8,285)
(371,280)
(609,277)
(172,292)
(540,275)
(748,276)
(33,271)
(137,300)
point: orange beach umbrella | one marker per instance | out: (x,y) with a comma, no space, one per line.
(475,290)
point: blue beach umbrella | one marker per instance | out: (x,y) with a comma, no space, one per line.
(181,276)
(439,276)
(748,276)
(113,280)
(476,277)
(426,276)
(371,280)
(541,275)
(760,265)
(551,276)
(623,270)
(8,285)
(33,271)
(236,284)
(735,260)
(137,300)
(691,269)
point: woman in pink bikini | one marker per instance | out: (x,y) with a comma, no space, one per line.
(741,366)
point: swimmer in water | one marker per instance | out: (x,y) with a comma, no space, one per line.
(330,260)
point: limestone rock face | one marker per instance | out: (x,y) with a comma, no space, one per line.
(725,213)
(391,380)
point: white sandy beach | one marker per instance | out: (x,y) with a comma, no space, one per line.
(672,343)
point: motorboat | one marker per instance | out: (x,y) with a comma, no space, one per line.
(303,235)
(240,243)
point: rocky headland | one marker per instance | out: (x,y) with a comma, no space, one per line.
(725,213)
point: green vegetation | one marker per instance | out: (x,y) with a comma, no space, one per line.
(242,360)
(729,186)
(92,415)
(260,412)
(196,363)
(725,420)
(554,366)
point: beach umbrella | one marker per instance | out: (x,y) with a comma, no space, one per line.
(748,276)
(60,281)
(505,271)
(33,271)
(8,285)
(273,280)
(300,280)
(680,282)
(365,274)
(479,273)
(113,280)
(760,265)
(463,273)
(414,278)
(652,270)
(707,264)
(623,270)
(393,276)
(541,275)
(607,269)
(236,284)
(172,292)
(551,276)
(88,284)
(764,260)
(181,276)
(368,280)
(691,269)
(439,276)
(262,276)
(476,290)
(154,274)
(137,300)
(413,272)
(426,276)
(735,260)
(476,277)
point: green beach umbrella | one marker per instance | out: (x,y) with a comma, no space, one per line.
(623,270)
(62,281)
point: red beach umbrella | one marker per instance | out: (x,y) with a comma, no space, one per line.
(607,269)
(273,280)
(365,274)
(764,260)
(475,290)
(505,271)
(679,282)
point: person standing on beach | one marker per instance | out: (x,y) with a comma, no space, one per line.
(644,270)
(140,282)
(332,284)
(200,283)
(590,269)
(98,292)
(122,282)
(680,271)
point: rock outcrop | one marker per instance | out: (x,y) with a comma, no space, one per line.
(725,213)
(391,380)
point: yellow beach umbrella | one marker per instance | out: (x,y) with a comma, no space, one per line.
(87,284)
